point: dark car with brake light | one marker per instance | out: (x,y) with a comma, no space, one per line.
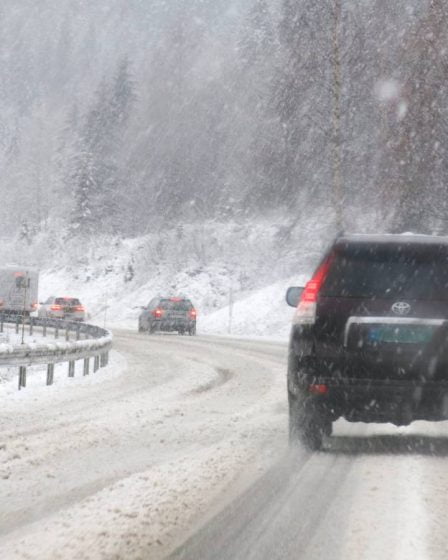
(369,336)
(168,314)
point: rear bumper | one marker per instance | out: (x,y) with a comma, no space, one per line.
(173,325)
(373,400)
(67,316)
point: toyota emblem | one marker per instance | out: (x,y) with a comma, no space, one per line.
(401,308)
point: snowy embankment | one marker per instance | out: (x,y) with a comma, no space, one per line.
(212,263)
(262,313)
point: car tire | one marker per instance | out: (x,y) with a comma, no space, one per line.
(307,427)
(140,328)
(192,331)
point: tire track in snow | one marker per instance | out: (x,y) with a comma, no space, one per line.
(376,492)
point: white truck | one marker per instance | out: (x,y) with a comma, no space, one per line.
(18,289)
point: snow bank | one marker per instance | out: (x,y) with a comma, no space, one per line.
(115,277)
(262,313)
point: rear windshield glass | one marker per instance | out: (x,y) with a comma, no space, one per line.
(388,272)
(176,305)
(67,301)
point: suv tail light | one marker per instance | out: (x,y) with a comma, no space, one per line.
(56,307)
(33,305)
(157,313)
(193,314)
(79,308)
(318,389)
(306,310)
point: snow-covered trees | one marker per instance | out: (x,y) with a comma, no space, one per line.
(125,117)
(255,116)
(303,103)
(99,179)
(417,156)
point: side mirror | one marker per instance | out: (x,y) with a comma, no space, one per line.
(293,295)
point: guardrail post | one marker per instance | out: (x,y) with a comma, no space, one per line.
(98,351)
(50,374)
(71,368)
(22,377)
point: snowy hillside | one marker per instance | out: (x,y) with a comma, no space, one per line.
(261,313)
(213,265)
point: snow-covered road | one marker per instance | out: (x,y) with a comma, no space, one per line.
(377,492)
(120,465)
(186,437)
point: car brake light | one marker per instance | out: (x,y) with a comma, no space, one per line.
(158,313)
(193,313)
(318,389)
(306,310)
(33,305)
(56,307)
(79,307)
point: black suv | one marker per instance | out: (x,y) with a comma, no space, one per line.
(369,336)
(168,314)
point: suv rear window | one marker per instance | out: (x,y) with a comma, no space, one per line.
(175,305)
(66,301)
(385,272)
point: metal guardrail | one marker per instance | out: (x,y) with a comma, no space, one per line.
(72,341)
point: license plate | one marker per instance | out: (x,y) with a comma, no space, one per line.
(405,334)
